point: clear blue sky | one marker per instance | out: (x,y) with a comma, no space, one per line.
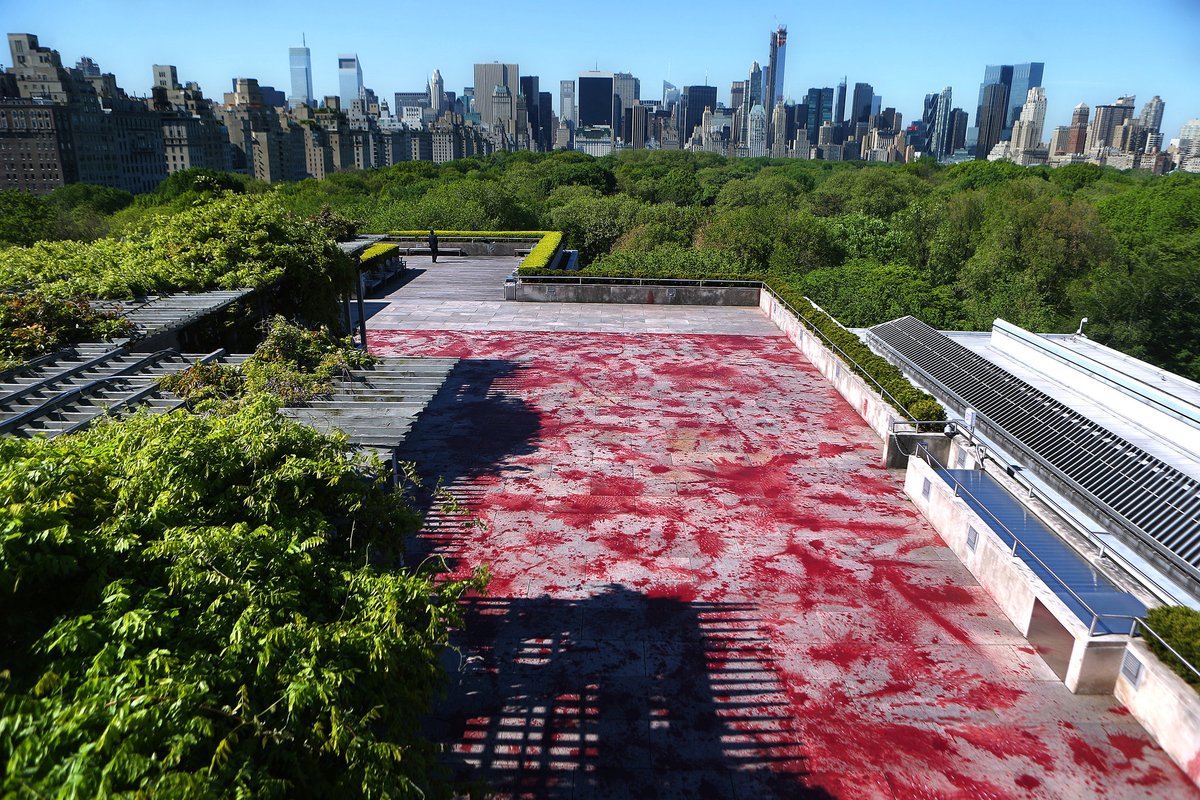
(1094,51)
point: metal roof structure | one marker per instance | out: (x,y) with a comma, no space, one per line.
(1152,502)
(377,406)
(65,392)
(168,313)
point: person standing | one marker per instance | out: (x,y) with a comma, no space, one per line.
(433,246)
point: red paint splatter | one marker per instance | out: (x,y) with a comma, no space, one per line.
(671,466)
(1086,755)
(1130,746)
(1028,782)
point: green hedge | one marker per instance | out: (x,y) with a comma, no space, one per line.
(678,262)
(1180,627)
(543,251)
(378,253)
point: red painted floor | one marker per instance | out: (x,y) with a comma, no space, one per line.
(706,586)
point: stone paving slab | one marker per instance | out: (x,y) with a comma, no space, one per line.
(705,585)
(467,294)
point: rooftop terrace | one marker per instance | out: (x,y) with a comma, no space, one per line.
(704,582)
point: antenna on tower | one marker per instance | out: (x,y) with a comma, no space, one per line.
(303,41)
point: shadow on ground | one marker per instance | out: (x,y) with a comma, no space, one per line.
(618,695)
(461,440)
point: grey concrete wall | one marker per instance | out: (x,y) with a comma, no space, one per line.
(1087,666)
(1166,706)
(656,295)
(473,247)
(865,400)
(904,444)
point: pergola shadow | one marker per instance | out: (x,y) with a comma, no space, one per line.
(617,695)
(461,442)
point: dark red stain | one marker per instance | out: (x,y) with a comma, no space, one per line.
(1086,755)
(1028,782)
(1130,746)
(674,466)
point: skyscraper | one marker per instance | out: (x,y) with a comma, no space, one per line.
(300,61)
(775,66)
(437,94)
(939,135)
(860,109)
(1077,137)
(958,130)
(566,102)
(1027,130)
(530,92)
(1105,123)
(1018,79)
(756,127)
(755,91)
(773,78)
(487,78)
(839,112)
(695,99)
(820,111)
(1024,77)
(350,80)
(992,112)
(627,90)
(1152,114)
(595,99)
(670,95)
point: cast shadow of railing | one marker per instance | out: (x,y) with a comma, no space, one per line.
(463,442)
(618,695)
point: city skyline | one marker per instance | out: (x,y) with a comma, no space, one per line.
(1091,58)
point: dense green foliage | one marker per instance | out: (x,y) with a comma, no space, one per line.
(211,605)
(214,604)
(1179,626)
(31,324)
(227,241)
(957,246)
(292,364)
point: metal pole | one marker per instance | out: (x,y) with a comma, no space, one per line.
(362,311)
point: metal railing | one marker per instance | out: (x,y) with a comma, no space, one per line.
(1134,622)
(986,452)
(1016,443)
(599,280)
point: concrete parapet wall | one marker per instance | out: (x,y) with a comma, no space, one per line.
(470,247)
(1166,706)
(653,295)
(1086,664)
(866,401)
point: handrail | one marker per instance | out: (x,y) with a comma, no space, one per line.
(580,280)
(74,392)
(1027,450)
(862,371)
(960,490)
(986,453)
(1135,622)
(34,363)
